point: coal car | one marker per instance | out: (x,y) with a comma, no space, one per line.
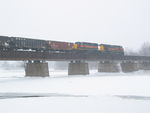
(16,43)
(4,42)
(26,43)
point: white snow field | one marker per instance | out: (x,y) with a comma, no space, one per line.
(94,93)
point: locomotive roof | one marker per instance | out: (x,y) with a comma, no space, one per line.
(87,43)
(111,45)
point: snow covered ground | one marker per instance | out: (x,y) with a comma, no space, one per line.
(95,93)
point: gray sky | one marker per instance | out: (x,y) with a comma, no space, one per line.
(121,22)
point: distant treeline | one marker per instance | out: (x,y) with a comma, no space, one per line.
(143,51)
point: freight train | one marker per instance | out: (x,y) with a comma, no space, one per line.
(18,43)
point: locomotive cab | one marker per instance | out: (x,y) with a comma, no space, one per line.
(101,48)
(75,46)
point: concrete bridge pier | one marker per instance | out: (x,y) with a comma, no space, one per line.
(108,66)
(78,68)
(36,69)
(144,65)
(129,66)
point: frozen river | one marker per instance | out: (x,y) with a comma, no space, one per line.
(95,93)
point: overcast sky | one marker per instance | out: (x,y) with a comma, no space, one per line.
(121,22)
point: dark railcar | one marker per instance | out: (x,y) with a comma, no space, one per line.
(112,49)
(85,46)
(25,43)
(4,42)
(58,45)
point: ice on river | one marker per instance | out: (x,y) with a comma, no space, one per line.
(95,93)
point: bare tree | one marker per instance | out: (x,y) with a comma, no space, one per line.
(145,49)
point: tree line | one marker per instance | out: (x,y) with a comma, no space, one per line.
(143,51)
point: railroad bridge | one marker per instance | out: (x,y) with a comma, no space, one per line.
(37,66)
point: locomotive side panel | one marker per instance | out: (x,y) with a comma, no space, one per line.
(86,46)
(115,49)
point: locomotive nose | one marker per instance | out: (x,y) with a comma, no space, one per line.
(75,46)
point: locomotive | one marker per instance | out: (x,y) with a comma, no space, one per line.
(18,43)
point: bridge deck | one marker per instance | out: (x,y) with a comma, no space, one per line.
(51,56)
